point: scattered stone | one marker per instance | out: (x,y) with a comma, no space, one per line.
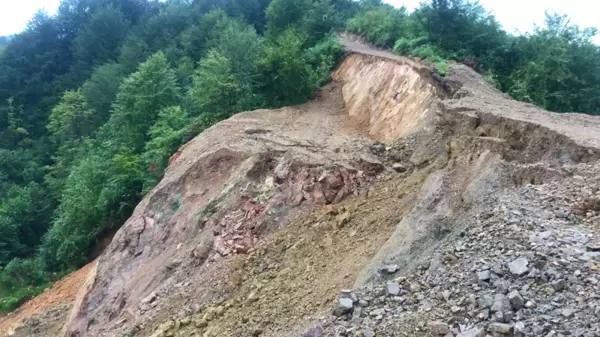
(446,295)
(200,323)
(519,329)
(516,300)
(393,288)
(345,305)
(316,331)
(356,313)
(390,269)
(398,167)
(518,267)
(439,328)
(377,312)
(567,312)
(367,332)
(529,304)
(475,332)
(501,303)
(559,285)
(485,301)
(594,247)
(502,285)
(499,328)
(483,275)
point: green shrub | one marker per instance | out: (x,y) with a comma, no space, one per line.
(380,26)
(427,52)
(404,46)
(443,67)
(20,280)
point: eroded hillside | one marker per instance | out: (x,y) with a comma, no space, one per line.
(418,191)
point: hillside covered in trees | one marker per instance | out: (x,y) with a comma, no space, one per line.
(94,100)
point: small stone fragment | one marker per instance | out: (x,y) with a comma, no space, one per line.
(499,328)
(501,303)
(367,332)
(390,268)
(593,247)
(519,329)
(399,167)
(519,266)
(516,300)
(485,301)
(393,288)
(439,328)
(356,315)
(446,295)
(345,304)
(567,312)
(475,332)
(201,323)
(559,285)
(484,275)
(316,331)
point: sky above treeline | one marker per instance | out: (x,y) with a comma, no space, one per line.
(516,16)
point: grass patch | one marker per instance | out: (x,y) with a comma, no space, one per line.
(14,299)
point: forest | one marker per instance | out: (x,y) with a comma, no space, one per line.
(95,99)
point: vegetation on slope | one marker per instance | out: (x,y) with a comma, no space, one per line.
(94,100)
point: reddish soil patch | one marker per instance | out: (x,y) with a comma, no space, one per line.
(63,291)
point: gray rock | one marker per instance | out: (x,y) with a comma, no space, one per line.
(499,328)
(346,303)
(345,306)
(485,301)
(559,285)
(367,332)
(518,267)
(393,288)
(377,312)
(356,315)
(567,312)
(390,268)
(347,293)
(502,285)
(484,275)
(516,300)
(499,316)
(439,328)
(519,329)
(501,303)
(399,167)
(446,295)
(497,268)
(316,331)
(475,332)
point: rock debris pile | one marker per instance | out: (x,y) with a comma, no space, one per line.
(528,268)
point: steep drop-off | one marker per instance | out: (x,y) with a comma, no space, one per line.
(263,218)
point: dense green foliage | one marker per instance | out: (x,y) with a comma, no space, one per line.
(94,100)
(556,67)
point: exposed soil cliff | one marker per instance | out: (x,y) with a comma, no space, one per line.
(263,218)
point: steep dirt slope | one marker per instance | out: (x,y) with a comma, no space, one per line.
(261,220)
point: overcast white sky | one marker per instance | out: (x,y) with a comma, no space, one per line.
(514,15)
